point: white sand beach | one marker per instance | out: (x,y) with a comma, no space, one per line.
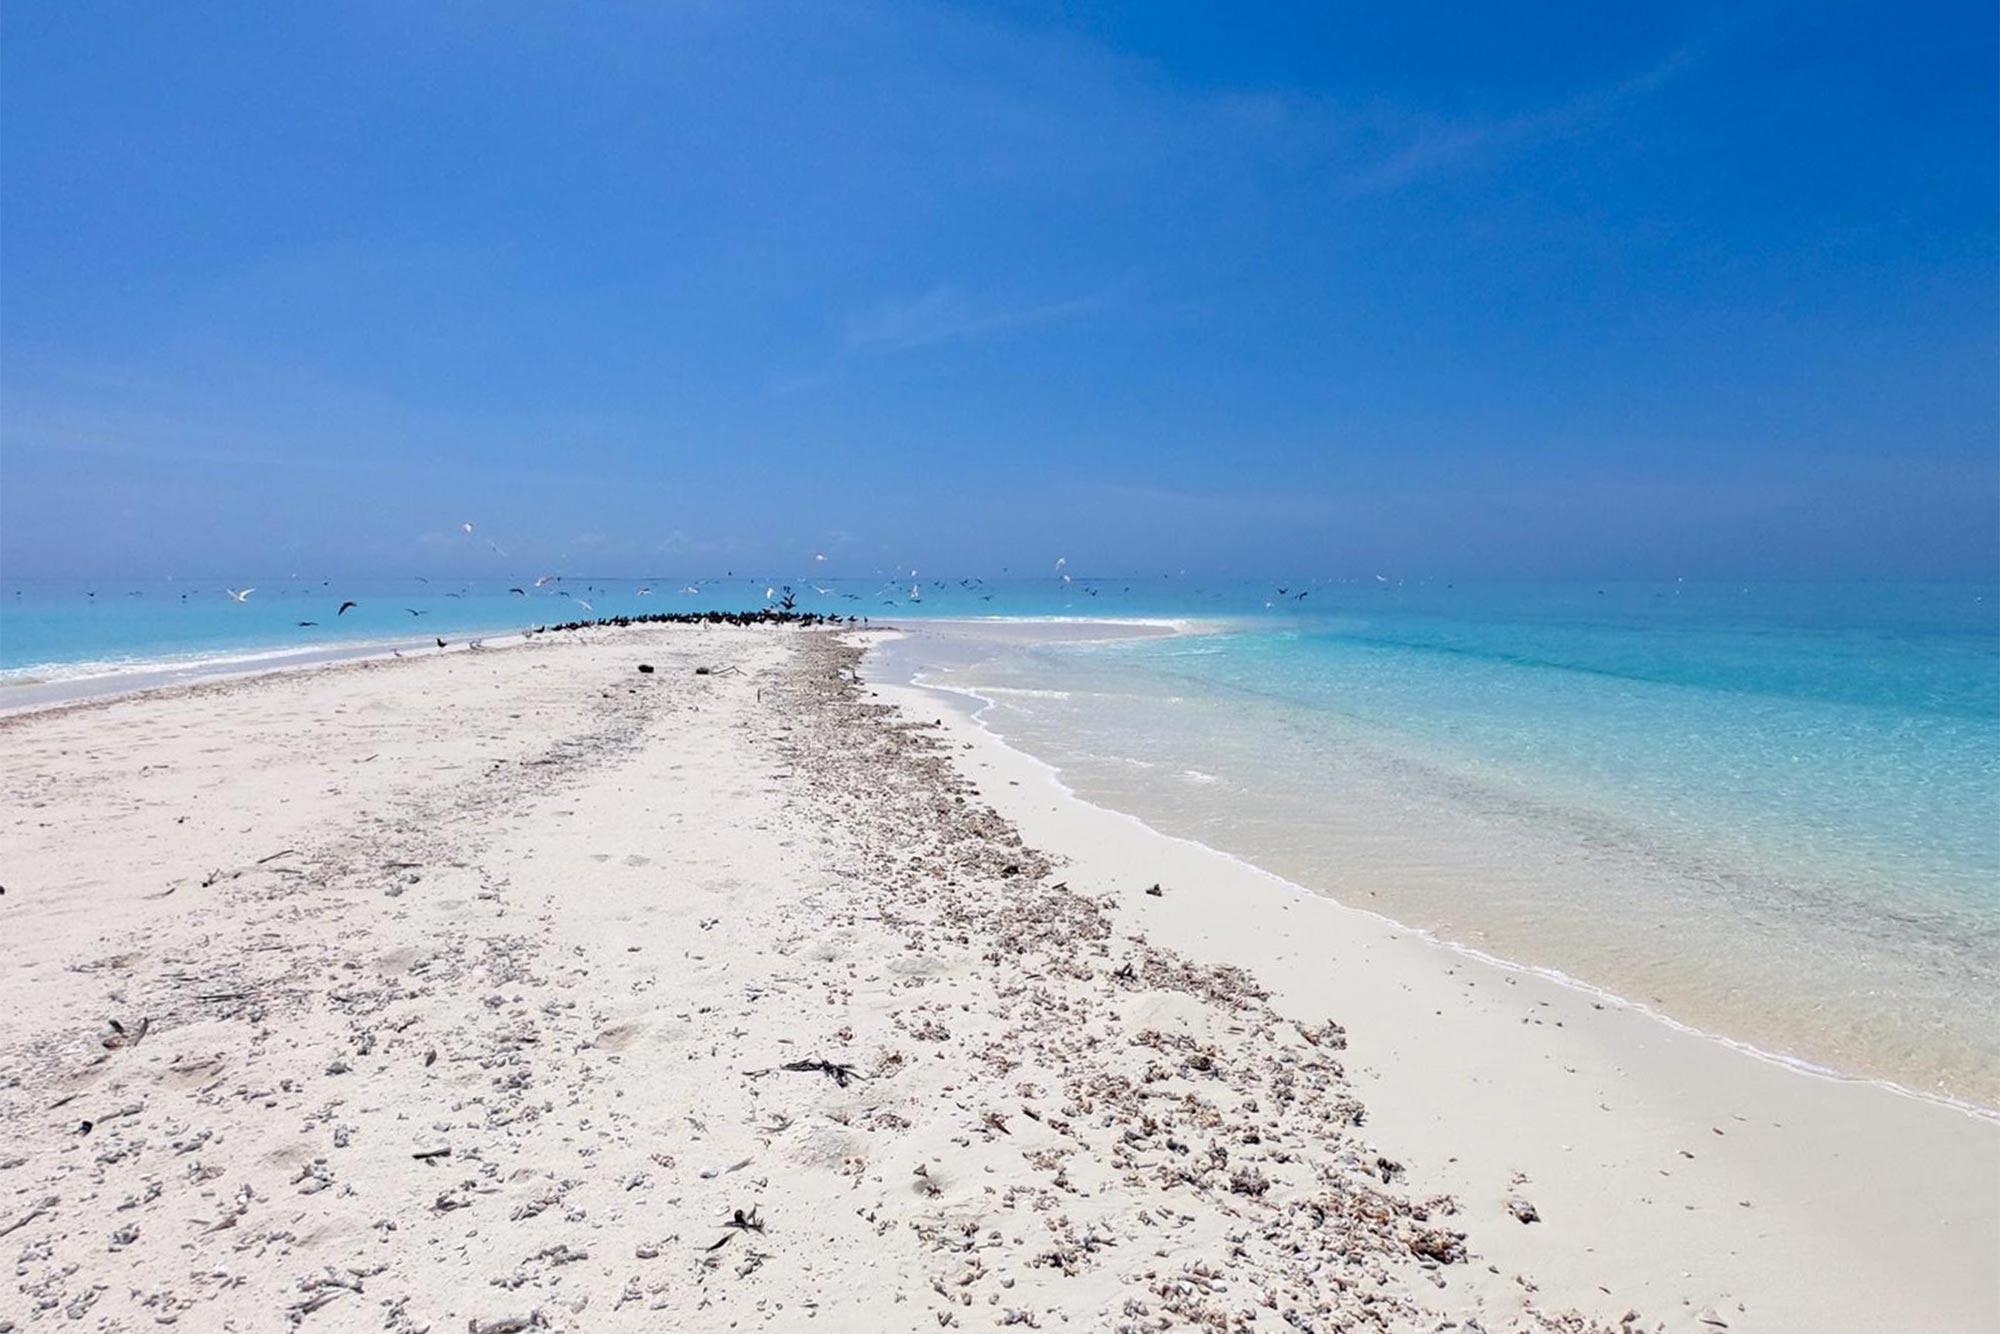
(520,989)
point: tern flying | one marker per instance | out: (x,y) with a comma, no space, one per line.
(233,593)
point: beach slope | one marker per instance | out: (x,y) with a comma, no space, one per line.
(514,989)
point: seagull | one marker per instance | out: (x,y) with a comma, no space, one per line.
(823,592)
(770,593)
(414,612)
(304,624)
(1061,561)
(344,606)
(547,578)
(466,526)
(233,593)
(585,605)
(916,594)
(644,593)
(522,591)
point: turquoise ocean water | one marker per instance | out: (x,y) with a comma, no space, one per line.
(1771,812)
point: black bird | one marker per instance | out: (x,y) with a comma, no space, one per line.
(522,591)
(414,612)
(1303,596)
(739,1221)
(344,606)
(304,624)
(440,643)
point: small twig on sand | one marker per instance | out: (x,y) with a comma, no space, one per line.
(47,1205)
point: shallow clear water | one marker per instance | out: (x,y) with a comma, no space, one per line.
(1772,812)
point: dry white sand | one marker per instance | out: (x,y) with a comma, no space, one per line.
(458,993)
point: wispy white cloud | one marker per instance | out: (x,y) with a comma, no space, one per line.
(947,313)
(1421,147)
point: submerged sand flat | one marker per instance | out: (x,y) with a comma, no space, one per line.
(516,989)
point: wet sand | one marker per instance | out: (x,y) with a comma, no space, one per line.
(517,989)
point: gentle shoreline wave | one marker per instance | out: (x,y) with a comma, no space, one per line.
(1793,1063)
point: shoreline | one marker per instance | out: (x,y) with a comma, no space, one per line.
(202,664)
(140,676)
(1676,1083)
(147,675)
(1796,1064)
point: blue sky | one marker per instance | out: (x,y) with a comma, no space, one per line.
(1525,290)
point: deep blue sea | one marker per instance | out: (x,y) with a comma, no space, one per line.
(1769,811)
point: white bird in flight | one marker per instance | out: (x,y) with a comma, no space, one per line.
(585,605)
(916,594)
(234,594)
(644,593)
(466,526)
(820,556)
